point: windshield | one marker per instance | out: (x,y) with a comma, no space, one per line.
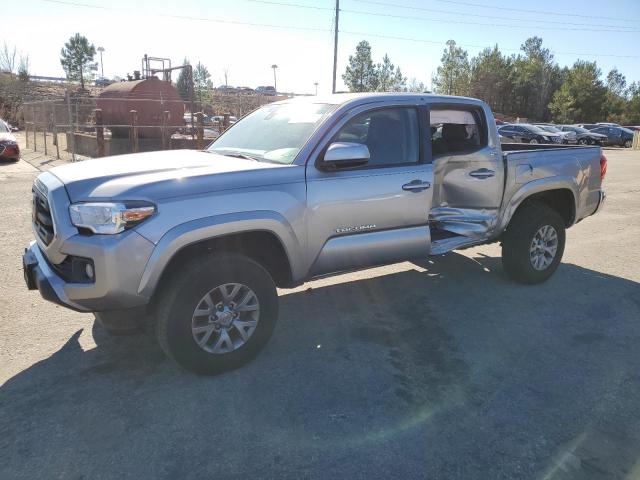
(578,129)
(3,127)
(273,133)
(550,128)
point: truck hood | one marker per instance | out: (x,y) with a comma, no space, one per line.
(157,175)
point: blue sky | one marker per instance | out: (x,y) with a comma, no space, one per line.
(214,34)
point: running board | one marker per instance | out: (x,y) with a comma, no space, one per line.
(438,247)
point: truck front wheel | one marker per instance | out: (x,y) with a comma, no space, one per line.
(533,244)
(217,313)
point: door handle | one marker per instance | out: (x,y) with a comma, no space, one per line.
(482,173)
(416,186)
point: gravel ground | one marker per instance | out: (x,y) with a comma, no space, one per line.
(436,369)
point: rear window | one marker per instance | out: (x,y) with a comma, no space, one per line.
(456,130)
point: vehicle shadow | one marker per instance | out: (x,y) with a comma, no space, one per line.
(441,369)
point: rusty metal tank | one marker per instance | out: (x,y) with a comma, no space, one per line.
(150,97)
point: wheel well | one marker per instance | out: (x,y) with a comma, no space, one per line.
(263,247)
(561,200)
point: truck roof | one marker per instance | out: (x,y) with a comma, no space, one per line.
(369,97)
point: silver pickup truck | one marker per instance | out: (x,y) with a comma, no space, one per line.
(194,243)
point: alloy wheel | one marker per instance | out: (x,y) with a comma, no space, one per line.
(544,247)
(225,318)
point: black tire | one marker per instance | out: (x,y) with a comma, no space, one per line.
(628,144)
(534,141)
(517,242)
(182,295)
(583,141)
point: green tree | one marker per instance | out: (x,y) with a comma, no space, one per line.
(390,78)
(616,102)
(183,84)
(582,96)
(632,107)
(535,77)
(453,75)
(491,80)
(361,74)
(76,58)
(415,86)
(202,81)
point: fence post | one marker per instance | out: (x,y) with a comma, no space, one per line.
(225,121)
(55,131)
(133,135)
(72,134)
(26,128)
(166,143)
(200,131)
(35,129)
(45,126)
(99,131)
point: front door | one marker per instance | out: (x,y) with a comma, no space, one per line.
(378,212)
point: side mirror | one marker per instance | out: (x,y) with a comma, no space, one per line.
(346,154)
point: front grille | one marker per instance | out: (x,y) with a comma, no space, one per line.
(41,217)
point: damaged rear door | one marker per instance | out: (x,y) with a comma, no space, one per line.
(468,171)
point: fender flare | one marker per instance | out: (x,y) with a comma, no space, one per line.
(538,186)
(208,228)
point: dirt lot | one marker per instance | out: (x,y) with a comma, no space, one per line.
(436,369)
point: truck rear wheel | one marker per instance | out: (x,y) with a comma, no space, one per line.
(533,244)
(217,313)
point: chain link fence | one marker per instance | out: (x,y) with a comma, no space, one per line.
(78,127)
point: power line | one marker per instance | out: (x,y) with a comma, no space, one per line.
(468,45)
(448,12)
(292,27)
(502,25)
(615,29)
(541,12)
(195,19)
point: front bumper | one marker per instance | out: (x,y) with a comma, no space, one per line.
(118,260)
(38,275)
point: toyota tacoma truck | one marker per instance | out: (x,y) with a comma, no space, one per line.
(193,244)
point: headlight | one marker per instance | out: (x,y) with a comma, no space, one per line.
(109,218)
(545,138)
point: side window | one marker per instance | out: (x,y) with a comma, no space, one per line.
(390,134)
(455,131)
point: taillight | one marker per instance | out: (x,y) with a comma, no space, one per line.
(603,166)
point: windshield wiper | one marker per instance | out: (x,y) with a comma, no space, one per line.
(238,155)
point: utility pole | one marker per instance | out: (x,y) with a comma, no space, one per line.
(316,84)
(335,46)
(100,49)
(275,84)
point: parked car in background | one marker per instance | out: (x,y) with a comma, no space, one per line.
(588,126)
(568,137)
(609,124)
(226,89)
(9,149)
(246,90)
(584,136)
(616,136)
(103,82)
(268,91)
(10,127)
(527,133)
